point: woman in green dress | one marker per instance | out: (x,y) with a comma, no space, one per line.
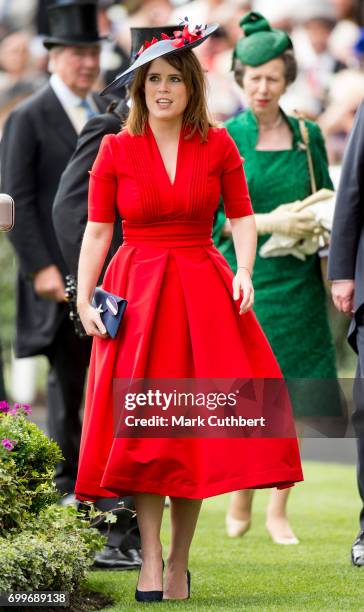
(289,293)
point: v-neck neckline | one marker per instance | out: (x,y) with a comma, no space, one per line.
(171,184)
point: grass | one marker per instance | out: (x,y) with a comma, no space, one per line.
(252,573)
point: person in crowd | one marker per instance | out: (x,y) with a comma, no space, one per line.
(17,14)
(320,64)
(18,78)
(349,18)
(289,293)
(345,94)
(346,271)
(39,138)
(165,172)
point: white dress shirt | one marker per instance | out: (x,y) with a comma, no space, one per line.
(71,102)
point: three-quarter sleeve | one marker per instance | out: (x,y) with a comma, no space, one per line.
(234,188)
(103,185)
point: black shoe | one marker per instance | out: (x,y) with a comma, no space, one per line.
(357,550)
(134,556)
(112,558)
(188,583)
(149,596)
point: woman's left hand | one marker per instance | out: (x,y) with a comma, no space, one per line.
(242,285)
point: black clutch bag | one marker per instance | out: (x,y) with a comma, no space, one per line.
(111,308)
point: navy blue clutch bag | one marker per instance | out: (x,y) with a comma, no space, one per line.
(111,308)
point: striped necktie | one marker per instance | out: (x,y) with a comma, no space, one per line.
(90,112)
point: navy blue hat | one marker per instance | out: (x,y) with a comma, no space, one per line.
(183,38)
(73,23)
(140,35)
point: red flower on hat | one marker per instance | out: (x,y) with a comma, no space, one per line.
(147,44)
(186,37)
(181,37)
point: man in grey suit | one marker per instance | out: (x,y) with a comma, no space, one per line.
(39,138)
(346,271)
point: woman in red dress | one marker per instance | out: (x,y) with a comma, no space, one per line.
(165,172)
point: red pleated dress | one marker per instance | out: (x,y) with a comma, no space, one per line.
(181,320)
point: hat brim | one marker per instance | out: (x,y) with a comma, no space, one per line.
(53,41)
(159,49)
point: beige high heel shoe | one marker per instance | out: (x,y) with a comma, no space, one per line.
(236,527)
(283,539)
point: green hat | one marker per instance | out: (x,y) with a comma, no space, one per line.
(261,43)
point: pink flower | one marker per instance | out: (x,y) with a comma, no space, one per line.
(8,444)
(4,406)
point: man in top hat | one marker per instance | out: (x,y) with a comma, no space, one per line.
(39,138)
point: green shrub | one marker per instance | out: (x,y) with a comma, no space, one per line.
(53,553)
(27,462)
(42,546)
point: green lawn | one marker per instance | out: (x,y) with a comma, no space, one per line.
(252,572)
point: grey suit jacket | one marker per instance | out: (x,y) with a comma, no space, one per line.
(346,255)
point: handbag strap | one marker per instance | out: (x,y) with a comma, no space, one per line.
(306,139)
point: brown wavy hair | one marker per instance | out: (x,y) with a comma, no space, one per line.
(196,115)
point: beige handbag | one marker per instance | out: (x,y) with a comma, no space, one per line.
(6,212)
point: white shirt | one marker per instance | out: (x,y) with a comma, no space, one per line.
(71,102)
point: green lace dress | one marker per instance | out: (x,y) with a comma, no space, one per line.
(290,300)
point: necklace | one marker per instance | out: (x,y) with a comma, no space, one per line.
(272,126)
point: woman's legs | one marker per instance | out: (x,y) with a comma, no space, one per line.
(184,515)
(149,509)
(239,512)
(277,521)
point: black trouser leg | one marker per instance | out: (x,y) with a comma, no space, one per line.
(358,417)
(123,534)
(69,358)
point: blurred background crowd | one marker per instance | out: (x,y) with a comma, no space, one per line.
(328,37)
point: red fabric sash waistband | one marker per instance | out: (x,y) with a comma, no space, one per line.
(168,234)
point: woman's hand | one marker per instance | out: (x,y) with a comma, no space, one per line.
(91,320)
(242,285)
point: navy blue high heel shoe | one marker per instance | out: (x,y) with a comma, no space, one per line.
(148,596)
(188,583)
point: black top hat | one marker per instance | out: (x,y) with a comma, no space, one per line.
(140,35)
(72,23)
(181,39)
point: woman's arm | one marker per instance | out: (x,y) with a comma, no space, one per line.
(244,234)
(95,246)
